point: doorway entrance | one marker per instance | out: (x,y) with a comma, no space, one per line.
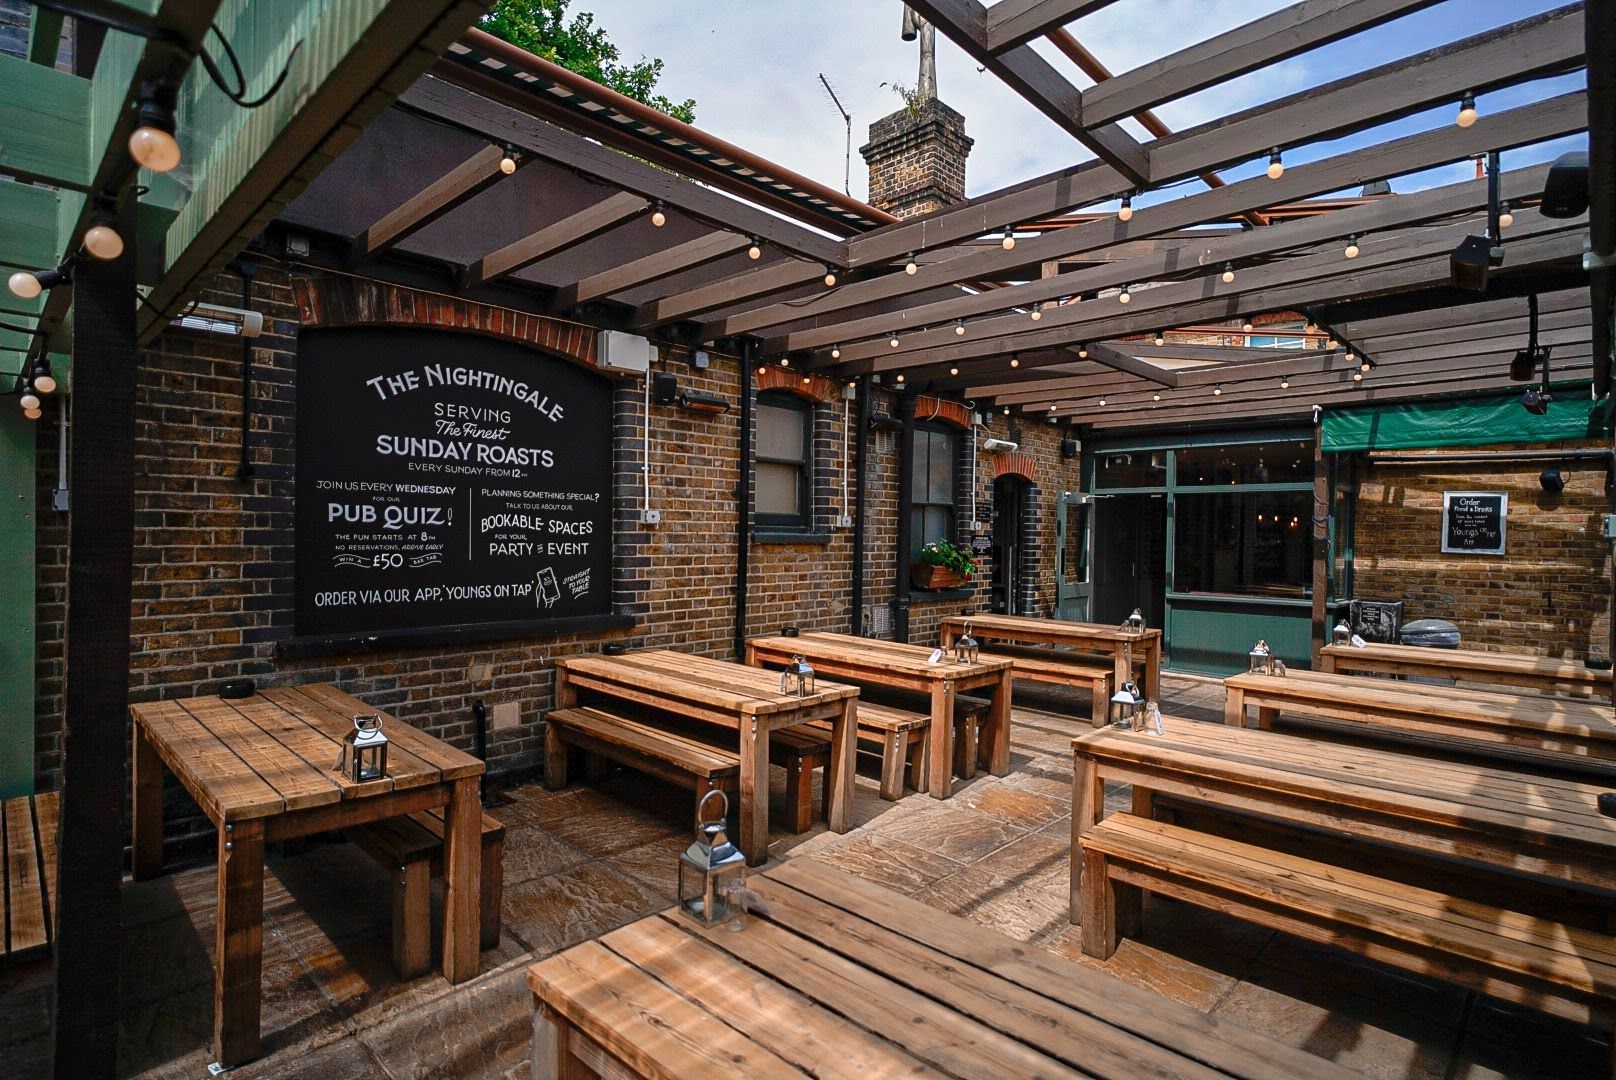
(1130,557)
(1009,506)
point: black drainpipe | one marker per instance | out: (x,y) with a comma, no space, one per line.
(861,451)
(743,498)
(906,453)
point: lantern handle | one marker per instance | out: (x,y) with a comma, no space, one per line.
(701,817)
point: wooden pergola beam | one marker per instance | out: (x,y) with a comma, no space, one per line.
(1035,79)
(778,277)
(1500,131)
(652,267)
(452,189)
(1016,22)
(1268,40)
(1482,311)
(570,231)
(1106,356)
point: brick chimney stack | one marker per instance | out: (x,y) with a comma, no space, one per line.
(916,159)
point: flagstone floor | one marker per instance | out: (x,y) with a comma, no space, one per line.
(585,860)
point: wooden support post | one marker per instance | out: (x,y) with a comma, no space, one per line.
(754,792)
(462,873)
(839,769)
(147,843)
(96,695)
(412,919)
(1321,545)
(238,959)
(942,740)
(1088,802)
(997,740)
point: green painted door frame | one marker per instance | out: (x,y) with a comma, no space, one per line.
(1074,557)
(1210,634)
(17,638)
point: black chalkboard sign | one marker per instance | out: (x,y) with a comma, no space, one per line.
(447,480)
(1473,522)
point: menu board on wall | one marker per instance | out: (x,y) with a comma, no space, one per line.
(447,480)
(1473,522)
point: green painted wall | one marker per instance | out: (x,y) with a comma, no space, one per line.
(1215,637)
(17,453)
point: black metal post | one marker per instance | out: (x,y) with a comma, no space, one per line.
(861,454)
(96,697)
(906,457)
(743,499)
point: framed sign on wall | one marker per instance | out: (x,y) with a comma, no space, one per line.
(447,480)
(1473,522)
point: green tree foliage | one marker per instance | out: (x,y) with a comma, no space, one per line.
(543,28)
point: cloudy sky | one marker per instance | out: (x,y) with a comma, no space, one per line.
(753,66)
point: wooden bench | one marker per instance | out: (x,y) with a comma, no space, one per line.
(28,875)
(1560,969)
(411,848)
(681,758)
(1096,674)
(899,737)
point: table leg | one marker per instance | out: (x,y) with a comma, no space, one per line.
(1326,663)
(462,880)
(1122,655)
(751,655)
(1234,706)
(1153,666)
(239,944)
(1266,715)
(947,639)
(552,1055)
(754,793)
(147,825)
(1088,804)
(839,771)
(942,739)
(998,748)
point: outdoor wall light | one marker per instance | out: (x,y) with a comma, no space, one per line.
(1467,110)
(1125,213)
(1551,481)
(911,267)
(1276,164)
(152,143)
(1228,273)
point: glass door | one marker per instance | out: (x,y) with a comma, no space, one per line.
(1073,589)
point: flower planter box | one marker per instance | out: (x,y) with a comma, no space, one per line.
(925,576)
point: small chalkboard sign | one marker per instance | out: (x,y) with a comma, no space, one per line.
(1473,522)
(981,545)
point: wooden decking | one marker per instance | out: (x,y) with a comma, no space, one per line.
(28,837)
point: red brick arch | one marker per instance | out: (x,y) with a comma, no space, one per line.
(1016,464)
(814,388)
(345,301)
(943,411)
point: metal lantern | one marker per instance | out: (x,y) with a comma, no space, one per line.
(1135,623)
(797,678)
(1260,660)
(1342,634)
(710,868)
(364,750)
(1125,705)
(965,647)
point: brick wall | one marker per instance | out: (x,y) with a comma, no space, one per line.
(1549,594)
(916,159)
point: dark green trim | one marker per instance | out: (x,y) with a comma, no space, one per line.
(1479,421)
(17,633)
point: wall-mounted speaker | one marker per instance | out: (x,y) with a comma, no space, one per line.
(1068,448)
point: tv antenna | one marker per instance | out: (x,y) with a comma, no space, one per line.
(847,118)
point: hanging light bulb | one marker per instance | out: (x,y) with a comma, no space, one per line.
(101,239)
(1052,406)
(43,380)
(152,143)
(1125,213)
(1357,376)
(1102,403)
(1007,410)
(1161,338)
(1217,391)
(1329,343)
(830,277)
(835,352)
(1036,314)
(1506,216)
(1125,296)
(1156,396)
(893,341)
(1248,326)
(785,361)
(959,327)
(1009,241)
(1284,384)
(1276,165)
(953,371)
(29,284)
(1015,361)
(29,399)
(1082,352)
(900,377)
(33,414)
(755,252)
(1364,365)
(1351,250)
(1228,273)
(507,165)
(911,267)
(1467,110)
(807,378)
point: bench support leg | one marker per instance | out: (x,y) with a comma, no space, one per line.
(552,1060)
(1100,692)
(1088,802)
(492,887)
(799,795)
(1266,717)
(555,758)
(894,756)
(965,753)
(996,727)
(147,847)
(919,762)
(1110,908)
(412,919)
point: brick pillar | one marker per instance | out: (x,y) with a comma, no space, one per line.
(917,159)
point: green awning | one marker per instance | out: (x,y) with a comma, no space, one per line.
(1481,421)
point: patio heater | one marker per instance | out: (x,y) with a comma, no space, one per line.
(711,868)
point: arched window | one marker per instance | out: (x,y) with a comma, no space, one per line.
(784,471)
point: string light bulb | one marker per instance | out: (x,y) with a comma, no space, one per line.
(33,414)
(893,341)
(1284,384)
(959,327)
(1329,343)
(785,361)
(900,377)
(1506,216)
(1365,366)
(1007,410)
(1228,273)
(1217,391)
(1083,352)
(1036,314)
(1009,241)
(152,143)
(507,165)
(1248,326)
(29,399)
(1126,295)
(1102,403)
(1161,338)
(1125,212)
(29,284)
(1156,396)
(835,352)
(1276,164)
(911,267)
(1351,250)
(102,239)
(755,252)
(43,380)
(1467,110)
(953,371)
(1051,406)
(830,278)
(1015,361)
(1357,376)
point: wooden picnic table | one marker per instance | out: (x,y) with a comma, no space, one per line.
(1531,729)
(901,666)
(1126,649)
(844,978)
(1511,822)
(733,696)
(1510,669)
(262,769)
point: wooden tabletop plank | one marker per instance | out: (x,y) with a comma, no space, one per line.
(25,890)
(216,778)
(1051,631)
(652,1029)
(450,763)
(300,783)
(404,769)
(1231,1049)
(743,693)
(724,674)
(311,743)
(1470,663)
(47,816)
(1076,1038)
(956,1044)
(851,657)
(771,1013)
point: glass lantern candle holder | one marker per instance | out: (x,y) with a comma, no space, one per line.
(1342,634)
(364,750)
(966,648)
(1125,704)
(1260,661)
(710,868)
(1135,623)
(797,678)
